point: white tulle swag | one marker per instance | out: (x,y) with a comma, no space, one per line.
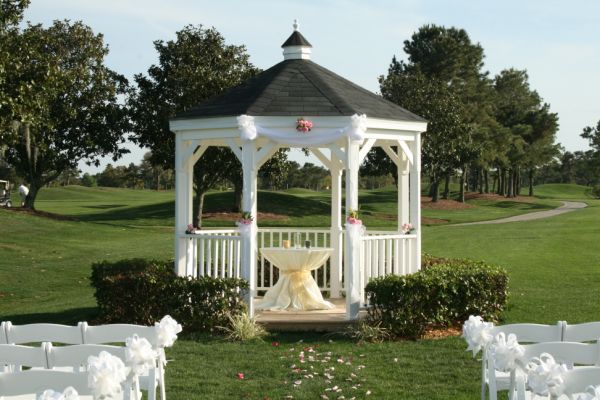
(358,127)
(166,331)
(545,375)
(591,393)
(68,394)
(506,352)
(105,375)
(139,355)
(477,333)
(247,127)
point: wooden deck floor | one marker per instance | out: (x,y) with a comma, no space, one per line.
(319,320)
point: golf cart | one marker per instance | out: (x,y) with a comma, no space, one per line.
(5,194)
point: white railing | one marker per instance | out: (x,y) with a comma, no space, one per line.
(273,237)
(384,253)
(215,253)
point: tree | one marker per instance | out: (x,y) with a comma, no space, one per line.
(194,67)
(63,104)
(593,136)
(11,13)
(447,132)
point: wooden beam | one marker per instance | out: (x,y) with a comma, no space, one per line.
(365,149)
(262,154)
(235,148)
(317,152)
(339,153)
(187,150)
(266,157)
(392,155)
(406,150)
(197,154)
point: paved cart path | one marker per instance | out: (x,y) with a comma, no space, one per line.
(567,206)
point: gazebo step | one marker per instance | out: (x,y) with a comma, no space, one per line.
(318,321)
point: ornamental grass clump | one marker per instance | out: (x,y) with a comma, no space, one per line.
(243,328)
(368,332)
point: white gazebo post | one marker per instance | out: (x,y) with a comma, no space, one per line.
(403,198)
(184,173)
(249,203)
(352,260)
(415,200)
(337,237)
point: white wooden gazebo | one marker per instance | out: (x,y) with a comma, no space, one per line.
(259,117)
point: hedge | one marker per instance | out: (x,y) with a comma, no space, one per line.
(140,291)
(442,295)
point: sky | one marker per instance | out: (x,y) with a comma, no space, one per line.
(557,42)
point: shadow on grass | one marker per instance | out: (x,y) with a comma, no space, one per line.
(519,205)
(155,211)
(67,317)
(105,206)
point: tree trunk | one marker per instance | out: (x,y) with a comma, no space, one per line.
(531,181)
(486,181)
(517,182)
(32,195)
(501,178)
(463,178)
(446,188)
(238,189)
(198,208)
(511,186)
(435,192)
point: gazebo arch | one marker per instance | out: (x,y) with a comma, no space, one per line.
(259,117)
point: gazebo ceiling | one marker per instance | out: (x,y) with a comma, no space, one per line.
(298,87)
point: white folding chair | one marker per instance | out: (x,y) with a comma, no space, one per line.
(34,333)
(586,332)
(33,382)
(575,381)
(74,359)
(13,357)
(496,381)
(118,333)
(574,355)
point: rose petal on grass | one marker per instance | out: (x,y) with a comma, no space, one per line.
(240,375)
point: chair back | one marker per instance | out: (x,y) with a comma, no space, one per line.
(587,332)
(532,333)
(570,353)
(36,381)
(3,339)
(76,356)
(577,380)
(15,355)
(34,333)
(117,333)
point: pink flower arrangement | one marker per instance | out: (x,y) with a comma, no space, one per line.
(303,125)
(407,228)
(191,229)
(353,218)
(246,219)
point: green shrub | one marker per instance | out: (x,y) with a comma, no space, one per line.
(140,291)
(442,295)
(596,191)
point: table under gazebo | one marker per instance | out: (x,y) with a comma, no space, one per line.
(258,118)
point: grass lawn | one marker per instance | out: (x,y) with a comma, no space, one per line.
(554,269)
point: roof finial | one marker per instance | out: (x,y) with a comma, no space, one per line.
(296,25)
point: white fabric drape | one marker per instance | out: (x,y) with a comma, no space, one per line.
(296,288)
(355,131)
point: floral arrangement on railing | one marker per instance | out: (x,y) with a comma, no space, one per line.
(352,218)
(191,229)
(245,223)
(407,228)
(303,125)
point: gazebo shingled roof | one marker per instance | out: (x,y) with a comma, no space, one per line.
(297,87)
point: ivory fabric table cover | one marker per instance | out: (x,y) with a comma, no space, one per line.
(296,288)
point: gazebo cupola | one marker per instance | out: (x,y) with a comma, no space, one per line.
(296,47)
(257,118)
